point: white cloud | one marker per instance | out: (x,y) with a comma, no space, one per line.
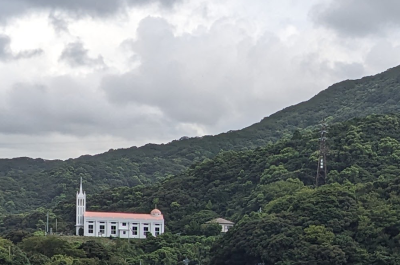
(140,72)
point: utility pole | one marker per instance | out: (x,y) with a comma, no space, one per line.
(323,150)
(47,223)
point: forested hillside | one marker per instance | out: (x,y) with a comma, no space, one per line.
(237,183)
(335,224)
(27,183)
(354,219)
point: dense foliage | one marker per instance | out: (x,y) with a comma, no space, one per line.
(236,183)
(335,224)
(281,218)
(27,184)
(166,249)
(269,192)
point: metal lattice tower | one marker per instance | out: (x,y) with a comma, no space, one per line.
(323,150)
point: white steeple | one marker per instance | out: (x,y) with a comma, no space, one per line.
(80,188)
(80,208)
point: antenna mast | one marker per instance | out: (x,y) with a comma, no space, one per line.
(321,170)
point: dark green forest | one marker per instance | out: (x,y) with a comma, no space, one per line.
(261,177)
(27,184)
(353,219)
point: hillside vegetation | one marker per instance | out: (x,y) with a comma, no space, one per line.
(281,218)
(27,184)
(354,219)
(237,183)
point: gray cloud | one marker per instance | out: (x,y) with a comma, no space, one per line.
(76,55)
(383,55)
(348,70)
(163,85)
(58,23)
(313,65)
(4,47)
(218,77)
(11,8)
(171,78)
(27,54)
(67,107)
(358,18)
(6,53)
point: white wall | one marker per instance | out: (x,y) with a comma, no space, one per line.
(225,227)
(122,231)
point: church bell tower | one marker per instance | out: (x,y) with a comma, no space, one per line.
(80,209)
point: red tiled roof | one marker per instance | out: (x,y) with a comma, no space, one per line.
(111,215)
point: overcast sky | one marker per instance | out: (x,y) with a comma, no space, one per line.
(83,76)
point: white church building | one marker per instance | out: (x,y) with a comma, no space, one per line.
(123,225)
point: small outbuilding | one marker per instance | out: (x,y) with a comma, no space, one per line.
(225,224)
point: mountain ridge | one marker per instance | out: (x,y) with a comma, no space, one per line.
(25,177)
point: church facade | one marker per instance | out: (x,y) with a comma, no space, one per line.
(112,224)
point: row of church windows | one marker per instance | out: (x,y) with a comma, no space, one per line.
(134,229)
